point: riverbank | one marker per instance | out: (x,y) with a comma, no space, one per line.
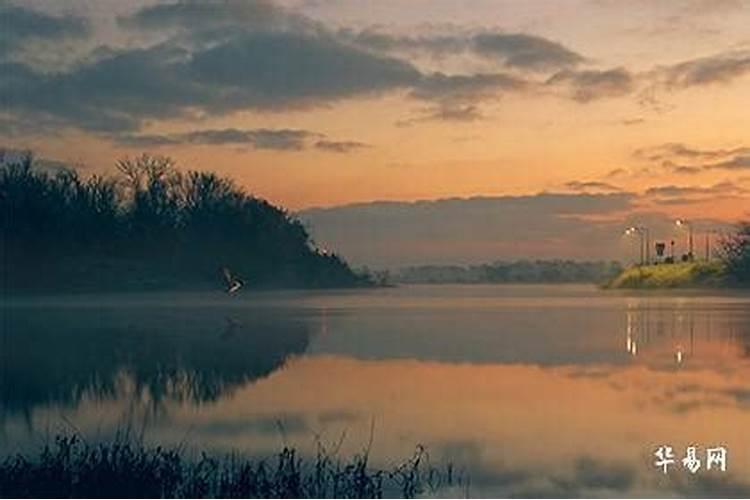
(71,468)
(681,275)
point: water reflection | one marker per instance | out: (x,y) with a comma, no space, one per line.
(476,374)
(682,335)
(61,355)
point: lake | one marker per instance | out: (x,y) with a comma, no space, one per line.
(532,390)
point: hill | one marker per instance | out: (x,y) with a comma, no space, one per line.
(149,227)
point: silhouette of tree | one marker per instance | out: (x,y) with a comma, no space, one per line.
(151,226)
(736,254)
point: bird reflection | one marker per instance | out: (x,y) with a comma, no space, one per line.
(231,328)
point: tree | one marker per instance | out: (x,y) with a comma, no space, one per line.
(736,254)
(152,226)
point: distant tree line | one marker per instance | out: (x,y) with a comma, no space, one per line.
(149,226)
(521,271)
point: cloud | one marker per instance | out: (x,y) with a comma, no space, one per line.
(686,195)
(21,25)
(260,138)
(591,185)
(590,85)
(465,88)
(718,68)
(513,50)
(725,187)
(672,150)
(220,58)
(340,146)
(526,51)
(194,16)
(255,71)
(739,162)
(287,70)
(580,476)
(471,230)
(278,139)
(681,159)
(446,111)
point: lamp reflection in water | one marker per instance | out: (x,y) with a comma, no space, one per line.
(630,344)
(674,341)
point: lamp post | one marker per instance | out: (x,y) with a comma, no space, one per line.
(645,241)
(709,234)
(689,225)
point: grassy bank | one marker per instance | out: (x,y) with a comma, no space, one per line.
(70,468)
(680,275)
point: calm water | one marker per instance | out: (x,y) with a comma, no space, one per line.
(533,390)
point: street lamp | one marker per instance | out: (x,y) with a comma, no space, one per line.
(645,241)
(709,234)
(689,225)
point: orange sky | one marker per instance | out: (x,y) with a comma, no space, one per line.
(600,81)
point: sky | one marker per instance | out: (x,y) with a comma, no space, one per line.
(580,116)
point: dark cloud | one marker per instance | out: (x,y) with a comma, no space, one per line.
(681,159)
(514,50)
(687,195)
(285,70)
(719,68)
(456,98)
(682,169)
(454,113)
(466,88)
(725,187)
(21,25)
(632,121)
(446,111)
(340,146)
(379,41)
(256,71)
(260,138)
(200,16)
(590,85)
(526,51)
(676,150)
(218,58)
(616,173)
(278,139)
(739,162)
(113,94)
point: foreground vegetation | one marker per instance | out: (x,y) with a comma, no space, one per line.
(731,270)
(70,468)
(151,226)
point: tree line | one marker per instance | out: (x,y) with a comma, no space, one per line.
(521,271)
(149,226)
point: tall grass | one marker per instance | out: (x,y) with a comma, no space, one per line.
(71,468)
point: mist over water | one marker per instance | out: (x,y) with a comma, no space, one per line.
(532,389)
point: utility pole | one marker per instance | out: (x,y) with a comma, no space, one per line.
(708,247)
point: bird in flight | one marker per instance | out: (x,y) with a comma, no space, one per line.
(233,283)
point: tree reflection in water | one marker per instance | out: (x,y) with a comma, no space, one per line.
(193,355)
